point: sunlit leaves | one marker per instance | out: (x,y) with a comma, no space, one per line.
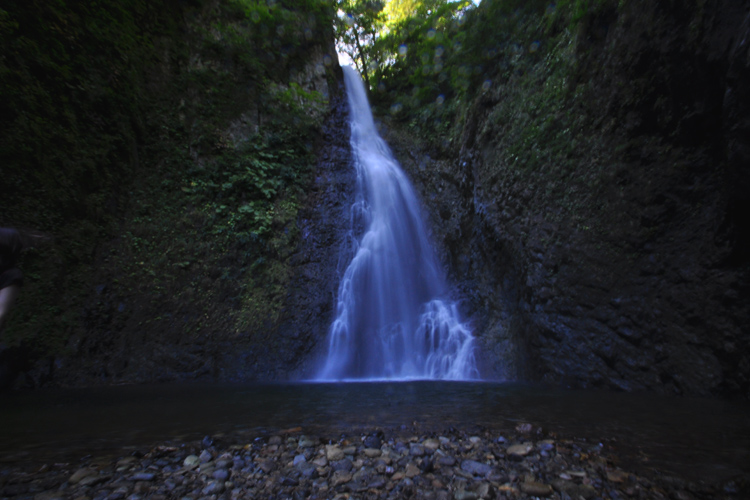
(357,24)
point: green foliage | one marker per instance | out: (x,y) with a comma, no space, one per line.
(357,26)
(168,143)
(435,55)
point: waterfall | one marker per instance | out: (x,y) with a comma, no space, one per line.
(393,316)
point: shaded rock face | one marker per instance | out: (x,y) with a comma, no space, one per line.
(196,317)
(637,276)
(116,350)
(322,256)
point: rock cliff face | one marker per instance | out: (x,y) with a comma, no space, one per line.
(208,248)
(592,213)
(590,208)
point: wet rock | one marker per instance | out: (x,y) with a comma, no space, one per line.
(307,442)
(485,491)
(267,466)
(213,488)
(446,460)
(80,474)
(334,453)
(340,477)
(191,462)
(520,450)
(416,450)
(274,440)
(465,495)
(288,481)
(205,456)
(377,483)
(94,479)
(524,428)
(307,469)
(299,459)
(374,440)
(546,445)
(207,442)
(430,445)
(221,474)
(142,476)
(617,476)
(342,465)
(411,471)
(536,489)
(476,468)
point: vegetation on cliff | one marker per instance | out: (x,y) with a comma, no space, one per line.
(583,174)
(584,164)
(166,147)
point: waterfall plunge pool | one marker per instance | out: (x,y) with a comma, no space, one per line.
(692,437)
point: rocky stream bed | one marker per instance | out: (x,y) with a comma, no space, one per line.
(404,462)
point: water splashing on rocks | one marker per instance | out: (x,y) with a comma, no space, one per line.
(394,319)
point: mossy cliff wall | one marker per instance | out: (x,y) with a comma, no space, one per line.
(586,182)
(190,161)
(591,199)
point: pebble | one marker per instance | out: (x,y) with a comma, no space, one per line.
(476,468)
(344,464)
(340,477)
(80,474)
(520,449)
(307,442)
(431,444)
(455,465)
(213,488)
(191,461)
(334,453)
(416,450)
(536,489)
(411,471)
(142,476)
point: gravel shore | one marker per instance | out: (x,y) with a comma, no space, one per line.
(460,464)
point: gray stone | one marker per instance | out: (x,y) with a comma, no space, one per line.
(191,461)
(142,476)
(80,474)
(465,495)
(213,488)
(333,452)
(536,489)
(307,442)
(416,450)
(344,465)
(520,450)
(476,468)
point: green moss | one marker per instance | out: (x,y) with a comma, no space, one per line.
(167,150)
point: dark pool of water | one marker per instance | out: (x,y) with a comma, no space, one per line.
(702,438)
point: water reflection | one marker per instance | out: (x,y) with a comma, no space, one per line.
(706,439)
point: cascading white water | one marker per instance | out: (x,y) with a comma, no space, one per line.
(393,318)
